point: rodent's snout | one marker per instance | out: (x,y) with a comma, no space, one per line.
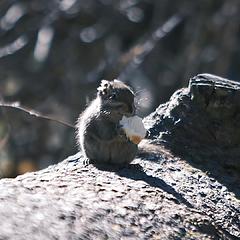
(131,110)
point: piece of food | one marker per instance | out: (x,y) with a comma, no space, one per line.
(134,128)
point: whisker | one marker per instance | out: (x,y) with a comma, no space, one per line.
(140,91)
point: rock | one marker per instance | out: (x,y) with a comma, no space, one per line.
(201,123)
(166,193)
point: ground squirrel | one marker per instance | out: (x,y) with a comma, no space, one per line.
(99,134)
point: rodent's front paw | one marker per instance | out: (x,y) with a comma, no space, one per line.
(121,132)
(86,161)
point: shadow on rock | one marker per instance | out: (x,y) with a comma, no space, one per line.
(136,172)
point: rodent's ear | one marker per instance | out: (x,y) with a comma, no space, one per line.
(104,88)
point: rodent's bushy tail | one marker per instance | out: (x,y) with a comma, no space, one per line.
(145,147)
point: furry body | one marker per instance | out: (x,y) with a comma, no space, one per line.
(100,136)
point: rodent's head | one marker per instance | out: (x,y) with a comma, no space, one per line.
(117,99)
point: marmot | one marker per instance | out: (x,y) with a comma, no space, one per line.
(99,134)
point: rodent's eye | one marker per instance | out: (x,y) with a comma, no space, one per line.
(112,96)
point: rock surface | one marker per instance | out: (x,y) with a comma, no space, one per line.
(201,123)
(183,185)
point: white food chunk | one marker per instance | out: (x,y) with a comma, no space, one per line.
(134,128)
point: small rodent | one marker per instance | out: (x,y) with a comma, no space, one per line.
(99,134)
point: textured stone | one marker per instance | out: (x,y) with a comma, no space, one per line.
(166,193)
(201,123)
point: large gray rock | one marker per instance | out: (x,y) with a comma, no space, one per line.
(201,123)
(166,193)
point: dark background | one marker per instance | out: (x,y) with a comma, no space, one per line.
(53,55)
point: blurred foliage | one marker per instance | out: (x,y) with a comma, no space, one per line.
(54,53)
